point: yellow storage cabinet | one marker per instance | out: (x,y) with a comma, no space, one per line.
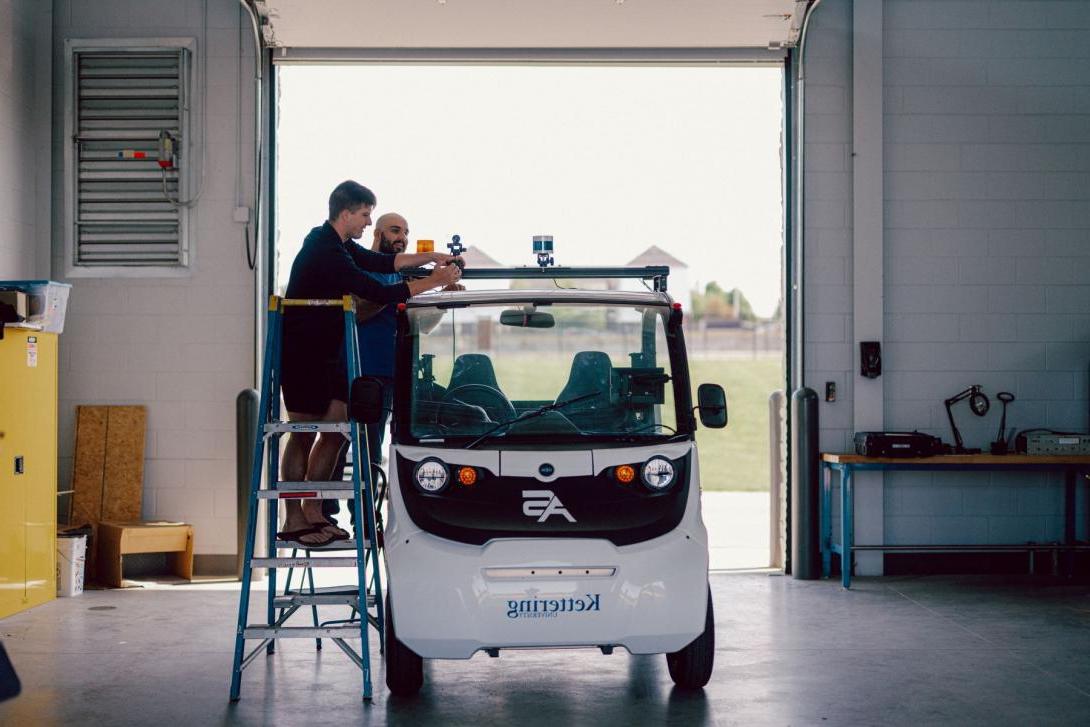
(28,469)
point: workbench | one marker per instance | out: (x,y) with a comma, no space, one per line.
(846,465)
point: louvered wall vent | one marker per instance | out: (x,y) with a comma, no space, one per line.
(126,207)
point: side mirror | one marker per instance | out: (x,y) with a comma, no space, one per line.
(712,403)
(365,405)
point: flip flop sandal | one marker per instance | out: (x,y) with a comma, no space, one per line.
(335,532)
(295,535)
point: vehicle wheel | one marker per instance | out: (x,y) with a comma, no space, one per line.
(691,668)
(404,669)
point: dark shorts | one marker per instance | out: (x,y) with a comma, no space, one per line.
(309,384)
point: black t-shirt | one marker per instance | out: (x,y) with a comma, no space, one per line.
(328,268)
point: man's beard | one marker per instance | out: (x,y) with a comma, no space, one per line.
(387,246)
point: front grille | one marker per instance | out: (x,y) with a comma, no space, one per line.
(495,507)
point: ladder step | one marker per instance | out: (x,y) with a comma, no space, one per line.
(286,427)
(314,489)
(333,562)
(345,590)
(265,631)
(345,485)
(349,544)
(320,599)
(307,493)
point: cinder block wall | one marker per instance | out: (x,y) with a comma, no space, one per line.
(987,243)
(827,217)
(25,28)
(181,346)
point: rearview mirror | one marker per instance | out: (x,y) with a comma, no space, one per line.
(527,319)
(712,403)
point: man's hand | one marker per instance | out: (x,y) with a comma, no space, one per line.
(445,275)
(440,277)
(455,287)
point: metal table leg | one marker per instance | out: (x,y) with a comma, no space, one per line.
(847,526)
(1070,494)
(826,520)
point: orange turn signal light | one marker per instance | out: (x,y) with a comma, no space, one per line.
(467,476)
(625,474)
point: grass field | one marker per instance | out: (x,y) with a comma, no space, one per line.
(734,458)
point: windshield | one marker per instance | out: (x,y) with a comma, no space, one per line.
(520,372)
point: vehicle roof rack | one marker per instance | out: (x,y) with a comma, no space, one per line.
(655,273)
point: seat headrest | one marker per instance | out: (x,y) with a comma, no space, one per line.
(473,368)
(590,371)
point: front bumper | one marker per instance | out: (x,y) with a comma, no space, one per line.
(451,600)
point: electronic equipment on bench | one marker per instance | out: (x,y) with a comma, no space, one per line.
(897,444)
(1044,441)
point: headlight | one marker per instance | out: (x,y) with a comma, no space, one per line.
(657,473)
(431,475)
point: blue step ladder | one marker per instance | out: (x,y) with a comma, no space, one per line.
(364,598)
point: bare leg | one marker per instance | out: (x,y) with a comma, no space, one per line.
(293,463)
(293,468)
(322,461)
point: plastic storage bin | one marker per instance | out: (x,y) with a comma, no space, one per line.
(47,302)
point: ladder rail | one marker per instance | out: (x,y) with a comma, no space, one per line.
(272,328)
(272,474)
(362,462)
(359,456)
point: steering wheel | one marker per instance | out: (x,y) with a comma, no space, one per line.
(494,402)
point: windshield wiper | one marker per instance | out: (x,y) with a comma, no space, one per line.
(530,415)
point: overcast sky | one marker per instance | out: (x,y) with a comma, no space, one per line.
(608,160)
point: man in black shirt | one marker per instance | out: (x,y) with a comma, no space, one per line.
(313,375)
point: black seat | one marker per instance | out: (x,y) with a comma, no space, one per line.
(591,373)
(473,382)
(473,368)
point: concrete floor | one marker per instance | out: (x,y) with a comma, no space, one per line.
(936,650)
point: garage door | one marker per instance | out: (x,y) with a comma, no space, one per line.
(332,29)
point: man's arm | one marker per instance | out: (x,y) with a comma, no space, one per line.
(416,259)
(346,276)
(380,262)
(369,260)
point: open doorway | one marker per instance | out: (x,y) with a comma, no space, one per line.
(621,164)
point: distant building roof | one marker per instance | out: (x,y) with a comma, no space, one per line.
(477,258)
(655,255)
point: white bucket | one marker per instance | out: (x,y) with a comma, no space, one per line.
(71,558)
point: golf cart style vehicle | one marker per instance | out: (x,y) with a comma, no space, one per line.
(544,483)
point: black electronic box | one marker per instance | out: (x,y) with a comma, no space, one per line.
(897,444)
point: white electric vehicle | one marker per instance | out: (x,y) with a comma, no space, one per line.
(544,483)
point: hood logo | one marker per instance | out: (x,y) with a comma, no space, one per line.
(543,504)
(546,470)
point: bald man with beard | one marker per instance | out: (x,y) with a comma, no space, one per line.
(377,336)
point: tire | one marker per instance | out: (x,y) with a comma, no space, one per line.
(691,667)
(404,668)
